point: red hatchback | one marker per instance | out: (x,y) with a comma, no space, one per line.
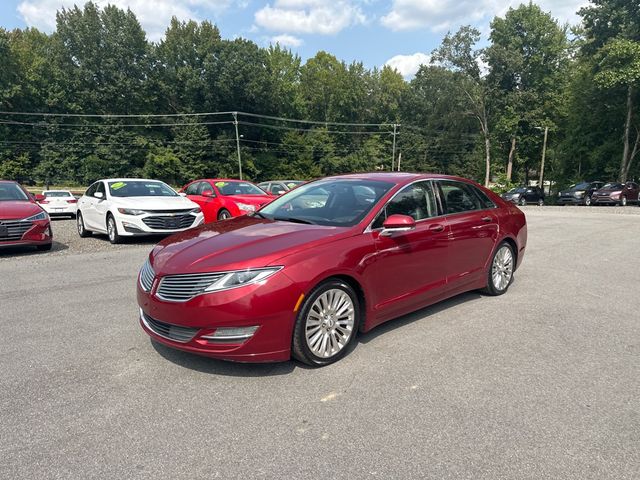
(22,220)
(220,198)
(329,259)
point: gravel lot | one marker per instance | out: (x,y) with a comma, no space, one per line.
(543,382)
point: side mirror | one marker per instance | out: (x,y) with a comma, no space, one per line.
(39,197)
(182,194)
(280,192)
(207,193)
(99,195)
(397,223)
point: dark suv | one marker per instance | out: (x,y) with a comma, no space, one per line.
(615,193)
(523,195)
(579,193)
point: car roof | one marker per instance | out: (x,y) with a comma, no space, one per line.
(128,180)
(399,177)
(220,180)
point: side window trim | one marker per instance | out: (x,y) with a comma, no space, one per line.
(473,189)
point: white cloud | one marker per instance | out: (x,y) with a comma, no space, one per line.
(440,15)
(408,65)
(153,15)
(287,40)
(324,17)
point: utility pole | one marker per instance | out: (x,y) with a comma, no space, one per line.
(544,153)
(235,124)
(393,154)
(399,159)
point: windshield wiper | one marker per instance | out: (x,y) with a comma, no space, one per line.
(294,220)
(258,214)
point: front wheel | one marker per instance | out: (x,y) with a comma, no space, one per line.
(223,215)
(112,230)
(82,231)
(327,324)
(500,273)
(623,202)
(523,202)
(541,202)
(587,201)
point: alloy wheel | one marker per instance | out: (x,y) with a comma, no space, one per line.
(587,201)
(80,224)
(502,268)
(111,229)
(623,201)
(330,322)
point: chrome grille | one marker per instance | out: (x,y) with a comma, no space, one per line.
(146,276)
(169,222)
(168,330)
(180,288)
(15,229)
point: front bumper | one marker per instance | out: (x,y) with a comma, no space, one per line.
(571,201)
(39,233)
(604,201)
(268,305)
(132,225)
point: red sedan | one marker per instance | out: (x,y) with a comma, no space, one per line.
(221,199)
(332,258)
(22,220)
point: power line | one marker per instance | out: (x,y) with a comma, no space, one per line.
(90,125)
(111,115)
(281,127)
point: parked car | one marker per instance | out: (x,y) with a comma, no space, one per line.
(280,187)
(60,203)
(303,281)
(616,193)
(524,195)
(22,220)
(125,207)
(221,198)
(579,193)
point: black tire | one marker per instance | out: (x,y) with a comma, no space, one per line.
(587,201)
(44,248)
(112,230)
(623,201)
(541,202)
(82,231)
(522,202)
(492,288)
(224,214)
(299,345)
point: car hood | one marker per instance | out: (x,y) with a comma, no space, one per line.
(18,209)
(242,242)
(607,192)
(154,203)
(257,200)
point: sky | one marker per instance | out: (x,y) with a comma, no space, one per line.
(400,33)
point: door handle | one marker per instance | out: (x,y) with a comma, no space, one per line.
(486,219)
(436,228)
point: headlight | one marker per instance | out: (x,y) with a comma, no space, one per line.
(131,211)
(578,194)
(36,217)
(196,210)
(615,195)
(559,194)
(245,207)
(241,278)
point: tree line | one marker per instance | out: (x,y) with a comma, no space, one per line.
(478,109)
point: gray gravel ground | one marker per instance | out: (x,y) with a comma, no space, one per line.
(543,382)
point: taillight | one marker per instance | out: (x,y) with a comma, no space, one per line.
(72,201)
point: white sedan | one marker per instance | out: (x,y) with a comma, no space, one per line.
(58,203)
(124,207)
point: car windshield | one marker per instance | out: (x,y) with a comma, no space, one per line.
(238,188)
(11,192)
(293,183)
(140,188)
(613,186)
(57,194)
(517,190)
(331,202)
(580,186)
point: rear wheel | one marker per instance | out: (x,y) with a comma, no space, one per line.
(223,214)
(112,230)
(327,324)
(500,273)
(82,231)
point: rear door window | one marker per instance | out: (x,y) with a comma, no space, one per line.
(458,197)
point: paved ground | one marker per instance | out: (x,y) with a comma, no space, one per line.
(543,382)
